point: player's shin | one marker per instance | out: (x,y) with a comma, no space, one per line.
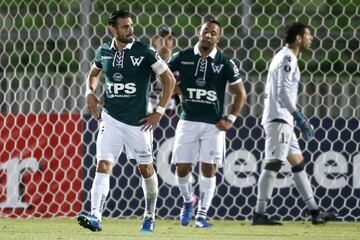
(207,190)
(303,186)
(265,189)
(150,188)
(185,186)
(99,192)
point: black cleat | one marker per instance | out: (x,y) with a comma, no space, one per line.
(263,219)
(321,217)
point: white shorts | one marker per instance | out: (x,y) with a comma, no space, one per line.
(280,141)
(197,141)
(114,136)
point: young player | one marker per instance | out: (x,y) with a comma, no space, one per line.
(200,134)
(280,111)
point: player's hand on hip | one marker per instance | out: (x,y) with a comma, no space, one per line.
(93,105)
(149,122)
(224,124)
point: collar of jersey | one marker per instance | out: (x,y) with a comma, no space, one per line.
(197,51)
(289,50)
(127,46)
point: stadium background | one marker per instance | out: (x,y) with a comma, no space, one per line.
(47,136)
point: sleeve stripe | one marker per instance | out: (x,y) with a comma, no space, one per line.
(236,82)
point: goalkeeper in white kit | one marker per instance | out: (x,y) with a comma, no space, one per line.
(280,113)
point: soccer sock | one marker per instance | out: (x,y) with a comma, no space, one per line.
(185,186)
(303,186)
(151,190)
(99,191)
(265,189)
(207,190)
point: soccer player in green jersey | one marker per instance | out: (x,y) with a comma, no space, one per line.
(125,123)
(200,134)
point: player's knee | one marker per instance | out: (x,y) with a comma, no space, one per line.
(273,165)
(298,168)
(183,169)
(104,166)
(208,170)
(146,170)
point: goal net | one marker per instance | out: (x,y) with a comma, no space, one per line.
(47,158)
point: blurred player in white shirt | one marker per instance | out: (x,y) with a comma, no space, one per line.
(279,114)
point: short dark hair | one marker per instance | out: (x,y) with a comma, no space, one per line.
(215,22)
(291,31)
(118,14)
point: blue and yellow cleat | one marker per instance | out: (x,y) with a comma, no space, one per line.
(186,213)
(90,222)
(202,223)
(148,225)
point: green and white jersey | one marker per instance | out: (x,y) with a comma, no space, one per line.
(127,79)
(203,83)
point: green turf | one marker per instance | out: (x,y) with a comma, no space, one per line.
(68,229)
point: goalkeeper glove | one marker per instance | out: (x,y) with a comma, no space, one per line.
(306,128)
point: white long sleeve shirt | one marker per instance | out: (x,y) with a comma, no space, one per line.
(281,87)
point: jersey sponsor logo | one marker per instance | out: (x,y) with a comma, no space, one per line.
(106,57)
(200,82)
(202,94)
(119,89)
(287,68)
(157,56)
(216,68)
(118,77)
(187,63)
(235,69)
(136,61)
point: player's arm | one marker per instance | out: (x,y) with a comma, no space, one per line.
(168,81)
(240,98)
(91,83)
(285,73)
(284,89)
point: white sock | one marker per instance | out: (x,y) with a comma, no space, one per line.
(303,186)
(185,186)
(99,191)
(151,190)
(207,190)
(265,189)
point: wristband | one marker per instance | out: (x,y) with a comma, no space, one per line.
(88,92)
(160,110)
(231,118)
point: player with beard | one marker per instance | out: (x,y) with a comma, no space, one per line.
(125,123)
(280,112)
(200,134)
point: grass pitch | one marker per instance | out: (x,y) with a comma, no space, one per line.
(68,229)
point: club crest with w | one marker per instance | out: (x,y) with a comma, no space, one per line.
(136,61)
(216,68)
